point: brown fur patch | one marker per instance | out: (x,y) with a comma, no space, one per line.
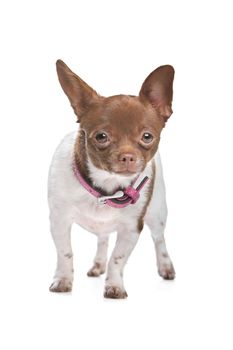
(80,154)
(117,258)
(96,270)
(68,255)
(97,265)
(149,195)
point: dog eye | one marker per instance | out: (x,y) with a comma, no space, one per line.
(101,137)
(147,137)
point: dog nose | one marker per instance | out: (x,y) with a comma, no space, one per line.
(127,158)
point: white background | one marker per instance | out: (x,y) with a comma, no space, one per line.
(114,46)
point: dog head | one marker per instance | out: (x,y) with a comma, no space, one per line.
(120,133)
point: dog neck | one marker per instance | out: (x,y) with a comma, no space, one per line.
(100,179)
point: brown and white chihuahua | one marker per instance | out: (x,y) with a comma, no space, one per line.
(107,176)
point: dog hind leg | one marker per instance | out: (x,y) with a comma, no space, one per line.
(156,218)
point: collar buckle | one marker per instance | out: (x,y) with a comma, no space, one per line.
(133,193)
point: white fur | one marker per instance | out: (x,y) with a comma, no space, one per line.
(109,181)
(70,203)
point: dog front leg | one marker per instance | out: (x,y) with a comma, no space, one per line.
(100,260)
(61,229)
(126,241)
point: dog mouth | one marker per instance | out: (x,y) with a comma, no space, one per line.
(126,172)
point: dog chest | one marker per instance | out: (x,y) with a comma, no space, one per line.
(98,219)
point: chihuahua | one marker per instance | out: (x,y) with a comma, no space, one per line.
(107,177)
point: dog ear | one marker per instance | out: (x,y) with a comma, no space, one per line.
(157,90)
(81,95)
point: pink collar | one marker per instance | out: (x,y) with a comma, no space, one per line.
(120,199)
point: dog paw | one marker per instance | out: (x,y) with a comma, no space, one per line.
(96,270)
(167,271)
(62,285)
(114,292)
